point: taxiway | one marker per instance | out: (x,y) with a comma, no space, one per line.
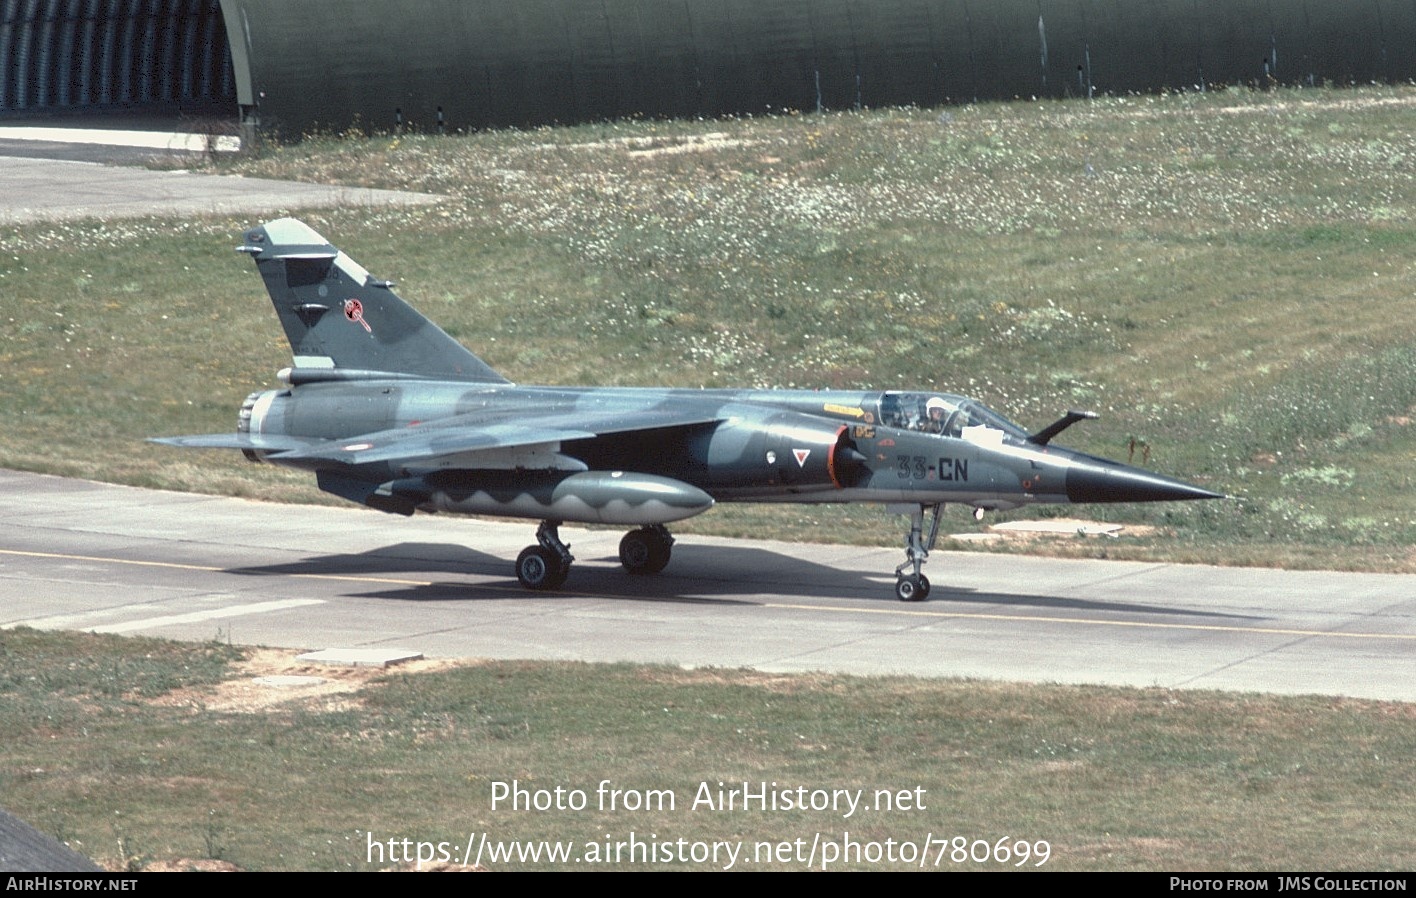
(88,556)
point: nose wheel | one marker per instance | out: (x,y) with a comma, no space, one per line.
(545,565)
(914,586)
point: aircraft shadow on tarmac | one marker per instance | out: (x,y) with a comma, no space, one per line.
(698,575)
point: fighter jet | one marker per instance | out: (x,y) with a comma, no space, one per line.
(390,412)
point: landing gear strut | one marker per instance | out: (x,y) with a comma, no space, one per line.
(914,586)
(646,550)
(546,564)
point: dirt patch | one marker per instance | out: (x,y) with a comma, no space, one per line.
(701,676)
(693,143)
(271,678)
(644,147)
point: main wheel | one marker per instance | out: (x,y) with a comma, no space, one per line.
(644,552)
(539,568)
(912,588)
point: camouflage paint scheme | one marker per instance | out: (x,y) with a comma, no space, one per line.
(390,412)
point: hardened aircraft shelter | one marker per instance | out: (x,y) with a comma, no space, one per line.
(291,67)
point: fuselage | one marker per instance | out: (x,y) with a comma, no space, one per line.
(754,445)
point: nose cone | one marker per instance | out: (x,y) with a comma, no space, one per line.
(1091,479)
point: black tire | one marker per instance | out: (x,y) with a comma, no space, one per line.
(539,568)
(644,552)
(911,589)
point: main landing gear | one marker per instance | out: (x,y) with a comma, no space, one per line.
(545,565)
(646,550)
(914,586)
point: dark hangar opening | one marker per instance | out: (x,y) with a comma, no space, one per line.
(153,57)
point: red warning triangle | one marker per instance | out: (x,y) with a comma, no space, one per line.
(801,455)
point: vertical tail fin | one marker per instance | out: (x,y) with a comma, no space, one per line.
(336,315)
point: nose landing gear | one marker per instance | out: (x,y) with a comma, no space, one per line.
(914,586)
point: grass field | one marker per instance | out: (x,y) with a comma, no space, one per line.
(133,751)
(1226,277)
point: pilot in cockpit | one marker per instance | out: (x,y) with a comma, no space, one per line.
(920,412)
(935,411)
